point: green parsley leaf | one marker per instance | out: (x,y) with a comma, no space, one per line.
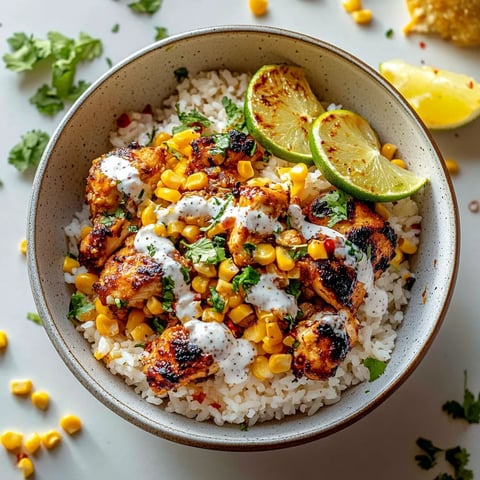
(234,113)
(375,367)
(34,317)
(168,298)
(218,303)
(180,74)
(468,410)
(427,460)
(79,305)
(29,151)
(47,101)
(146,6)
(160,33)
(246,279)
(204,251)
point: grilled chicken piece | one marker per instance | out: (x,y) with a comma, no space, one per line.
(208,153)
(323,341)
(266,206)
(171,361)
(364,228)
(112,200)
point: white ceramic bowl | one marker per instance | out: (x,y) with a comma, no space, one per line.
(146,78)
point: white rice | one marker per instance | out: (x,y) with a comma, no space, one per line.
(252,400)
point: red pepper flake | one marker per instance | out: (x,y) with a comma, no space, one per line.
(148,109)
(470,84)
(435,262)
(422,45)
(424,296)
(216,405)
(199,397)
(237,330)
(474,206)
(123,120)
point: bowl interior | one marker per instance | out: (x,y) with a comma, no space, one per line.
(147,78)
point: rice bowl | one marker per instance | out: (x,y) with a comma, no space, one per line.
(376,339)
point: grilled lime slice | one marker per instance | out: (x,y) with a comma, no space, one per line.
(442,99)
(280,108)
(347,151)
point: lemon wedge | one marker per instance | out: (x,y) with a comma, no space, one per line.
(443,100)
(346,150)
(280,108)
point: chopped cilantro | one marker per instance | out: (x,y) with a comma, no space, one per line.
(222,143)
(151,250)
(468,410)
(246,279)
(158,325)
(109,62)
(375,367)
(192,119)
(428,459)
(28,152)
(294,287)
(204,251)
(79,305)
(160,33)
(298,251)
(180,74)
(116,28)
(290,320)
(132,229)
(146,6)
(218,303)
(26,52)
(227,200)
(249,247)
(244,427)
(46,100)
(389,33)
(168,285)
(458,458)
(119,303)
(234,113)
(335,205)
(34,317)
(186,273)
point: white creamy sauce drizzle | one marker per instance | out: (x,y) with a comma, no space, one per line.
(146,241)
(336,321)
(233,355)
(126,176)
(267,297)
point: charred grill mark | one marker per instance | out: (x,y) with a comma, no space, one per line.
(185,352)
(339,342)
(339,279)
(241,143)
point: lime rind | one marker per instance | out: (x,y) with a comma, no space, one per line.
(347,152)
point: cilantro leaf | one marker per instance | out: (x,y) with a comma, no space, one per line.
(34,317)
(158,325)
(458,457)
(228,198)
(26,52)
(222,143)
(192,119)
(180,74)
(246,279)
(298,251)
(375,367)
(294,287)
(79,305)
(28,152)
(47,101)
(160,33)
(168,284)
(469,410)
(234,113)
(204,251)
(146,6)
(218,303)
(427,460)
(333,204)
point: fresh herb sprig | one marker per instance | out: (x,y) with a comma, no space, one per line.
(469,409)
(28,152)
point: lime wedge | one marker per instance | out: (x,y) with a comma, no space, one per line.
(280,108)
(442,99)
(347,152)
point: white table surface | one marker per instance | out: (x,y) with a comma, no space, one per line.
(381,445)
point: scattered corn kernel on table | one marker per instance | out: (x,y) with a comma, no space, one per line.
(381,445)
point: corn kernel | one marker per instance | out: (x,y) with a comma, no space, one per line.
(135,317)
(298,173)
(101,308)
(149,217)
(399,163)
(11,440)
(406,246)
(171,179)
(21,387)
(217,229)
(180,168)
(160,229)
(51,439)
(185,137)
(266,316)
(398,258)
(452,166)
(224,288)
(26,466)
(84,282)
(273,333)
(71,424)
(388,150)
(154,305)
(351,6)
(227,269)
(169,194)
(264,254)
(69,264)
(141,332)
(235,300)
(271,347)
(23,246)
(255,333)
(32,443)
(362,17)
(85,231)
(260,368)
(3,340)
(280,362)
(106,326)
(245,169)
(382,210)
(240,312)
(191,233)
(289,341)
(284,261)
(160,138)
(200,284)
(196,181)
(297,188)
(316,249)
(211,315)
(206,269)
(175,228)
(40,399)
(258,7)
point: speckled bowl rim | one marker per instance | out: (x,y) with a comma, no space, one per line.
(170,432)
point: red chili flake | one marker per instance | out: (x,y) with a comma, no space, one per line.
(435,262)
(424,296)
(237,330)
(199,397)
(422,45)
(148,109)
(474,206)
(416,226)
(470,84)
(123,120)
(329,246)
(216,405)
